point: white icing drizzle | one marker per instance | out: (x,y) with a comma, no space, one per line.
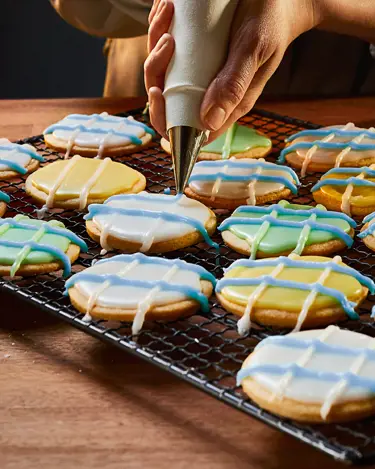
(146,304)
(312,150)
(216,186)
(309,301)
(345,201)
(76,132)
(339,388)
(340,157)
(244,324)
(302,361)
(252,188)
(103,142)
(91,182)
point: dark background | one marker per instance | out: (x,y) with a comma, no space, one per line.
(41,56)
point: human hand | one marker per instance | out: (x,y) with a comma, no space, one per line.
(261,33)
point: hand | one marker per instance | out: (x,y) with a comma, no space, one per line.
(261,33)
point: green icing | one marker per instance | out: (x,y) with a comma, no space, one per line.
(278,239)
(244,139)
(8,255)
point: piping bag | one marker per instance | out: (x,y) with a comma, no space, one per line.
(201,31)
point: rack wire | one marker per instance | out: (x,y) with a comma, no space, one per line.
(204,349)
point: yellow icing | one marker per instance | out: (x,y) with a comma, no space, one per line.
(116,178)
(291,299)
(362,196)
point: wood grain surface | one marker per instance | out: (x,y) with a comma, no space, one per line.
(69,401)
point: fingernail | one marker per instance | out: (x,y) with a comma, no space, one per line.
(215,118)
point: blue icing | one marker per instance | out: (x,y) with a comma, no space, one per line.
(325,132)
(346,305)
(251,177)
(64,125)
(370,230)
(57,253)
(13,222)
(243,164)
(4,197)
(236,219)
(116,280)
(342,182)
(318,345)
(325,146)
(20,149)
(300,372)
(102,209)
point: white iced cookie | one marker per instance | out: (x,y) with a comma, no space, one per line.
(150,223)
(318,150)
(234,182)
(97,135)
(137,287)
(313,376)
(17,160)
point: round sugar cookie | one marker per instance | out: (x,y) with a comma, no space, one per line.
(17,160)
(32,247)
(137,288)
(284,228)
(4,200)
(367,233)
(150,223)
(292,292)
(318,376)
(318,150)
(231,183)
(350,190)
(78,182)
(98,135)
(239,141)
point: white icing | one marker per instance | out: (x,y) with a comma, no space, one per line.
(138,298)
(325,156)
(312,390)
(237,189)
(14,155)
(93,140)
(145,230)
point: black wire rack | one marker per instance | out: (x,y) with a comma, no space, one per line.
(205,349)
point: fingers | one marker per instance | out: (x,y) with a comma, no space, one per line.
(160,23)
(157,110)
(153,10)
(251,96)
(157,62)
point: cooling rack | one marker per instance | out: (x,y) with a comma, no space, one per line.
(204,349)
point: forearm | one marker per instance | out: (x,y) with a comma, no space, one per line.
(351,17)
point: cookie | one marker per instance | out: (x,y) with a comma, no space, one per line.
(16,160)
(318,150)
(4,200)
(313,376)
(138,288)
(367,233)
(239,141)
(293,291)
(98,135)
(150,223)
(32,247)
(284,228)
(351,190)
(231,183)
(78,182)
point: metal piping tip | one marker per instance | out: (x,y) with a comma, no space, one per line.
(186,143)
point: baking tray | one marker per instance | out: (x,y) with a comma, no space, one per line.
(205,349)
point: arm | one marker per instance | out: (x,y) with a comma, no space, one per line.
(106,18)
(261,32)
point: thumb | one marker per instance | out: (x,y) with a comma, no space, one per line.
(228,89)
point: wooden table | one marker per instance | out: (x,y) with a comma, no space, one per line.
(68,401)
